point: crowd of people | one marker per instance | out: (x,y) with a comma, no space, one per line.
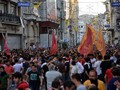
(66,70)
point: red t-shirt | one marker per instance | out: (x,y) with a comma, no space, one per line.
(23,85)
(109,74)
(9,69)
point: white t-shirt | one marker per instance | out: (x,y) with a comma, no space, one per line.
(17,67)
(93,62)
(80,67)
(51,75)
(97,66)
(74,70)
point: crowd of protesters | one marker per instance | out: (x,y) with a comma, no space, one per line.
(66,70)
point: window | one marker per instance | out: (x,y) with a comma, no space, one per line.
(3,6)
(58,4)
(80,26)
(12,9)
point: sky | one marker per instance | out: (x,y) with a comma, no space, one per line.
(93,7)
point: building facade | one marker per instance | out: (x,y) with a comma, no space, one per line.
(30,24)
(114,7)
(73,21)
(25,26)
(52,20)
(10,24)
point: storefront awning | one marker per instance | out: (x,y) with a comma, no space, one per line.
(50,24)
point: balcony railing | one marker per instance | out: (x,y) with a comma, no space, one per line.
(10,19)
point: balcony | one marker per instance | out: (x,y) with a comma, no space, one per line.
(30,16)
(10,19)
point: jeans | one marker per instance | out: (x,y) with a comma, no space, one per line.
(34,86)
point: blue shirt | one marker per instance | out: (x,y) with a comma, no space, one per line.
(81,87)
(111,85)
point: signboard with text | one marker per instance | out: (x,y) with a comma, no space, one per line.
(107,26)
(115,4)
(23,4)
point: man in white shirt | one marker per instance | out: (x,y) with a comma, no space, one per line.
(97,65)
(17,67)
(51,75)
(79,67)
(92,60)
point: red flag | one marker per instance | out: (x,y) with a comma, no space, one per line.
(86,45)
(6,49)
(100,44)
(54,45)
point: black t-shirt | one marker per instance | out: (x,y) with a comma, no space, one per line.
(67,67)
(106,64)
(33,77)
(25,66)
(39,69)
(61,68)
(45,69)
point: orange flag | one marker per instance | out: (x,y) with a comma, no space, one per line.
(94,33)
(86,45)
(100,43)
(54,45)
(6,49)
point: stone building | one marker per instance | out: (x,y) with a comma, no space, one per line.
(25,26)
(10,24)
(114,10)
